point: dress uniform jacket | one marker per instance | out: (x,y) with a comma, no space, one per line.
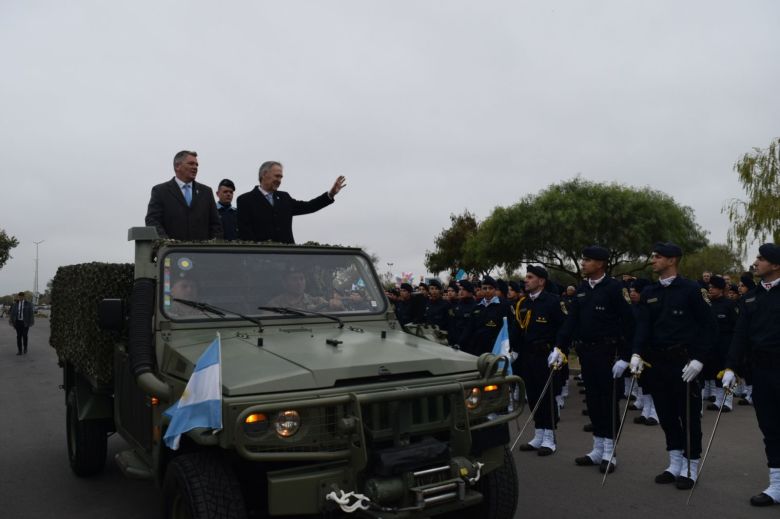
(483,327)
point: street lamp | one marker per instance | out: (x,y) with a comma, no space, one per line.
(35,289)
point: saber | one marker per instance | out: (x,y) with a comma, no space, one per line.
(533,411)
(727,392)
(688,424)
(552,411)
(620,430)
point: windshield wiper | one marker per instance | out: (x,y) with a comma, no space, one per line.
(301,313)
(216,310)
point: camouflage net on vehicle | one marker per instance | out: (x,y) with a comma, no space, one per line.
(76,292)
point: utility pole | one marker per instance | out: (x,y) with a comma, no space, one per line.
(35,289)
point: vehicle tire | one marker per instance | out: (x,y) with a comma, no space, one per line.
(87,440)
(201,485)
(499,490)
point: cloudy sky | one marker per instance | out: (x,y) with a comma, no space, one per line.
(428,108)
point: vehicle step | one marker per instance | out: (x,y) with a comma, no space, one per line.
(133,465)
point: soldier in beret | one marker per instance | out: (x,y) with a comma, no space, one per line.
(403,306)
(725,312)
(644,401)
(601,321)
(436,308)
(758,329)
(674,334)
(461,313)
(514,292)
(537,318)
(485,322)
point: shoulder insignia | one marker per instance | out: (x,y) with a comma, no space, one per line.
(706,296)
(581,294)
(564,309)
(653,300)
(491,324)
(626,296)
(751,300)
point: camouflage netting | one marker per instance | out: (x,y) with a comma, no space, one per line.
(76,292)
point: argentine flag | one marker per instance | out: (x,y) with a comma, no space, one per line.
(460,275)
(501,347)
(201,403)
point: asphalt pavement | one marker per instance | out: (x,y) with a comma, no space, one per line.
(36,481)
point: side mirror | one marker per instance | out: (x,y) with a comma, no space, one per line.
(111,314)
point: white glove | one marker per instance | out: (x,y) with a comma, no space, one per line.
(691,370)
(556,358)
(637,365)
(729,379)
(619,368)
(514,355)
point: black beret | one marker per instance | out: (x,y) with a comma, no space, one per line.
(395,292)
(538,270)
(639,284)
(668,250)
(596,253)
(514,285)
(422,285)
(467,286)
(718,282)
(733,287)
(435,283)
(770,252)
(747,280)
(502,286)
(489,281)
(407,286)
(227,183)
(453,285)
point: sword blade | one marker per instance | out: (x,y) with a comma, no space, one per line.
(726,393)
(620,430)
(533,411)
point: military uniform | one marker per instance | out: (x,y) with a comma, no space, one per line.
(674,328)
(483,326)
(725,312)
(459,317)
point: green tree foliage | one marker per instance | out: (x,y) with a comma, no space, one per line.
(552,227)
(450,247)
(717,258)
(6,244)
(757,217)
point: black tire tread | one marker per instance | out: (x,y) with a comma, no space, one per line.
(91,441)
(500,489)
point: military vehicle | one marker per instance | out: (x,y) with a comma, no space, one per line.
(328,405)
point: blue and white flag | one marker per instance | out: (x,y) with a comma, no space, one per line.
(201,403)
(501,347)
(460,275)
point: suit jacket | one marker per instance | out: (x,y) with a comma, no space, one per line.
(168,212)
(27,313)
(258,220)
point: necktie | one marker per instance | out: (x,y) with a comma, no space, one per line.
(21,308)
(270,198)
(187,194)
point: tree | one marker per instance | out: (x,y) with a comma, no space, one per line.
(450,251)
(759,216)
(718,258)
(6,244)
(552,227)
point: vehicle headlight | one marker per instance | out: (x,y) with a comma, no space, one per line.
(287,423)
(473,398)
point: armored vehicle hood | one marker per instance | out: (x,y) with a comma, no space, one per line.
(318,356)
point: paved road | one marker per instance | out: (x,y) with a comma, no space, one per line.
(36,482)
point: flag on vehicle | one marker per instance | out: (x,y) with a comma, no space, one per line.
(501,347)
(201,403)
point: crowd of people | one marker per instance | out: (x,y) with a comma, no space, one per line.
(670,345)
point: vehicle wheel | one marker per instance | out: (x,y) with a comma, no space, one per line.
(201,486)
(499,490)
(87,441)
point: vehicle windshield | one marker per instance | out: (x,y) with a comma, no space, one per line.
(339,284)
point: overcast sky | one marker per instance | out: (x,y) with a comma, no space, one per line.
(427,107)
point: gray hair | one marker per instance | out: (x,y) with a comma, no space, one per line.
(265,166)
(183,154)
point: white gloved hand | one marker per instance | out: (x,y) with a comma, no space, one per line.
(729,379)
(514,355)
(619,368)
(637,365)
(691,370)
(556,358)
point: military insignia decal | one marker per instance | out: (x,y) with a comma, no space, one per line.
(184,263)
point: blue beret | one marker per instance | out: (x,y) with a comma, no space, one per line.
(596,253)
(718,282)
(227,183)
(538,270)
(668,249)
(770,252)
(467,286)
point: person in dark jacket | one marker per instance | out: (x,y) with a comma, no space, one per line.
(461,313)
(436,308)
(601,321)
(674,334)
(758,330)
(725,312)
(182,209)
(485,322)
(266,214)
(227,213)
(21,317)
(537,318)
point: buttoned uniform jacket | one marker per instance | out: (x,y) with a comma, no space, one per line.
(28,316)
(258,220)
(169,213)
(484,325)
(541,327)
(758,327)
(229,217)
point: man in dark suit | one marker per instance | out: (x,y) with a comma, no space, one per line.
(21,317)
(265,213)
(182,209)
